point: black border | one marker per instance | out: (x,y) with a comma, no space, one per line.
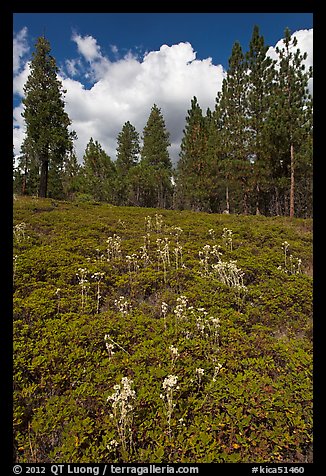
(6,348)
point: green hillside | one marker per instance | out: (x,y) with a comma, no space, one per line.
(148,335)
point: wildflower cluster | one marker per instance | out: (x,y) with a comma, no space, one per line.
(98,278)
(177,231)
(99,255)
(209,252)
(144,250)
(204,260)
(207,327)
(19,232)
(227,238)
(291,265)
(169,385)
(164,310)
(177,251)
(163,252)
(109,347)
(181,309)
(228,273)
(123,305)
(57,293)
(199,372)
(163,246)
(132,262)
(148,223)
(113,247)
(84,284)
(122,411)
(211,233)
(174,354)
(217,369)
(158,222)
(14,265)
(225,271)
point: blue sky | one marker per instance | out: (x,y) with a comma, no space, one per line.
(102,58)
(211,34)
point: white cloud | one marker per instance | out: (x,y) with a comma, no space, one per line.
(73,66)
(20,79)
(114,49)
(20,48)
(87,46)
(91,52)
(18,128)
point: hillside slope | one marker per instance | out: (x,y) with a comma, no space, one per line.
(160,336)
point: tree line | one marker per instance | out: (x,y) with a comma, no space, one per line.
(251,154)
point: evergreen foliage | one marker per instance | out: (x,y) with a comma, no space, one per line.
(128,151)
(156,166)
(291,113)
(192,167)
(260,97)
(48,138)
(98,173)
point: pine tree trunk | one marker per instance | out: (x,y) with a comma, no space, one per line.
(245,203)
(257,200)
(24,184)
(227,200)
(277,202)
(292,183)
(44,179)
(286,207)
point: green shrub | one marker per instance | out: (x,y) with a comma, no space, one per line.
(244,367)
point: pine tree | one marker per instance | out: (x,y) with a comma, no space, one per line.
(261,78)
(156,160)
(156,141)
(128,150)
(191,168)
(292,113)
(55,185)
(232,113)
(214,175)
(71,175)
(46,121)
(29,168)
(98,173)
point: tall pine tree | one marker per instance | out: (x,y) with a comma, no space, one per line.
(98,173)
(232,113)
(261,78)
(292,112)
(192,167)
(47,123)
(29,168)
(155,161)
(71,176)
(128,150)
